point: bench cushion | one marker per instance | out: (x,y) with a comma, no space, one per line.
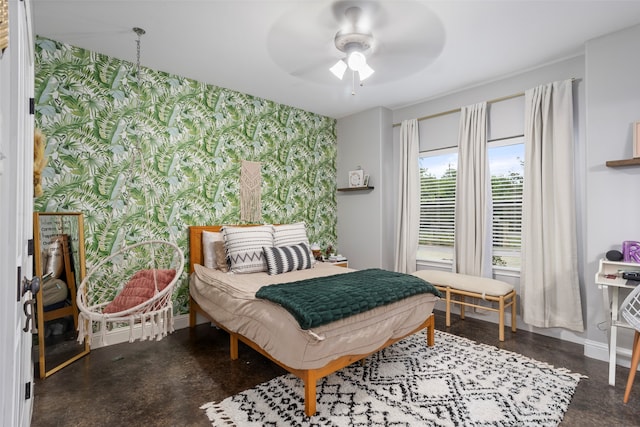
(464,282)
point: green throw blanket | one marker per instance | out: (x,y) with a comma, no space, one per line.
(322,300)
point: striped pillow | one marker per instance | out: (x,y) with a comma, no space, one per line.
(291,234)
(244,247)
(287,258)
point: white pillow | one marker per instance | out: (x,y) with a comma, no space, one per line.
(292,234)
(208,239)
(244,247)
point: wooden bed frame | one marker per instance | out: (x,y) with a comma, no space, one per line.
(308,376)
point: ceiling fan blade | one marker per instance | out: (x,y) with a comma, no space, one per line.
(421,48)
(322,64)
(407,37)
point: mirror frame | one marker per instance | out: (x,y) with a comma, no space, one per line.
(78,269)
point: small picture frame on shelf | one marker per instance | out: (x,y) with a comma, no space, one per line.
(356,178)
(636,140)
(365,181)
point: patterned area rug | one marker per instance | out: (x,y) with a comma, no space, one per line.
(457,382)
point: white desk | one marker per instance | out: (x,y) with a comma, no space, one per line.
(609,279)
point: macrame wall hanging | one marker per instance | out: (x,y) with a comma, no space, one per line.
(250,191)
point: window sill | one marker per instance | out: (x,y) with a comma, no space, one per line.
(497,270)
(434,263)
(506,271)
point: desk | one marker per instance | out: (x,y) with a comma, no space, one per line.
(609,278)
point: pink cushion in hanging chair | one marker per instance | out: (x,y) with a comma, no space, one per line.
(140,288)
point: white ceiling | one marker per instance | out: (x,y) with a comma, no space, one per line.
(281,50)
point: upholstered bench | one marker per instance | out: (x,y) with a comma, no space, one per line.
(462,285)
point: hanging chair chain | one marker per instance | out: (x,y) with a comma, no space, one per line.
(139,32)
(138,147)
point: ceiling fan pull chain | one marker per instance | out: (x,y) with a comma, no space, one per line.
(353,82)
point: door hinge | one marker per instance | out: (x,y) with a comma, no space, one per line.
(27,391)
(32,106)
(30,247)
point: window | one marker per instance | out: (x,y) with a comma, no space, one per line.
(506,165)
(437,202)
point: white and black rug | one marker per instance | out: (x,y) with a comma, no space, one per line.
(457,382)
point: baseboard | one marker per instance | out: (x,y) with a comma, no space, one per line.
(121,335)
(600,351)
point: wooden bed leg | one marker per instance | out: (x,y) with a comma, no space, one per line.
(431,338)
(309,394)
(193,311)
(233,346)
(501,317)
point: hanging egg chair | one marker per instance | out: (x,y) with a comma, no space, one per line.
(134,286)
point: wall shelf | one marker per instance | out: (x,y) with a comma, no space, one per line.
(625,162)
(356,188)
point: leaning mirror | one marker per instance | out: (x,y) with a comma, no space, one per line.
(59,261)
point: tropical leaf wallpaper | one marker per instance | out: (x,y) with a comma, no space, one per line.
(147,161)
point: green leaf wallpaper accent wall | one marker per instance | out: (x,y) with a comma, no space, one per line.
(147,162)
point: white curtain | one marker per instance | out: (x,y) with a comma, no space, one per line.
(408,213)
(473,211)
(549,285)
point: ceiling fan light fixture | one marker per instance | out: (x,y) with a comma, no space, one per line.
(365,72)
(338,69)
(356,60)
(353,40)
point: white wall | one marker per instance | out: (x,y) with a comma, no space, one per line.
(364,223)
(612,203)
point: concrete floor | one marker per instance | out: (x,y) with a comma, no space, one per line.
(164,383)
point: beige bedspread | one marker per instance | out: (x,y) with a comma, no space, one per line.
(230,300)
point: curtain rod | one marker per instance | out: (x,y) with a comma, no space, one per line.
(456,110)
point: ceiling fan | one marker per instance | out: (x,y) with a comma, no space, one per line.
(394,38)
(354,41)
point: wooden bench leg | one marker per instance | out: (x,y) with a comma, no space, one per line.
(462,300)
(513,312)
(448,307)
(501,316)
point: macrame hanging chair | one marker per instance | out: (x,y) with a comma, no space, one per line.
(133,286)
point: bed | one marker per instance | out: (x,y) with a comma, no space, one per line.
(229,301)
